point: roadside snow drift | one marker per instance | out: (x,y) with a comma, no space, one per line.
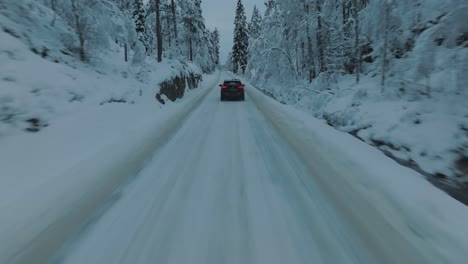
(53,181)
(399,214)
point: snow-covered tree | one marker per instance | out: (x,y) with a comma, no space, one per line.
(254,25)
(183,32)
(228,62)
(90,19)
(215,48)
(95,23)
(312,39)
(139,18)
(241,41)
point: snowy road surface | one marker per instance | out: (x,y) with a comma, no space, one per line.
(208,182)
(226,188)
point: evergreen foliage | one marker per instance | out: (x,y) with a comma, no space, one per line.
(254,25)
(241,41)
(215,46)
(139,18)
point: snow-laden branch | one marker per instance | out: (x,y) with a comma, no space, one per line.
(282,51)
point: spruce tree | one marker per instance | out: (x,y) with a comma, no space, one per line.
(215,37)
(241,40)
(139,18)
(254,26)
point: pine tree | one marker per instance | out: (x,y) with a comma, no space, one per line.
(241,41)
(193,32)
(269,4)
(139,18)
(215,39)
(200,33)
(254,25)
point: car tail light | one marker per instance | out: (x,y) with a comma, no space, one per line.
(240,87)
(223,87)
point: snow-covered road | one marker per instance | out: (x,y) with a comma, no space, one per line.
(209,182)
(226,188)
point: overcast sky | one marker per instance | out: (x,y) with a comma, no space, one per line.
(220,14)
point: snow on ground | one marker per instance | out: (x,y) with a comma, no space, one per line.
(272,186)
(357,176)
(35,88)
(53,179)
(239,196)
(92,119)
(431,132)
(428,131)
(277,187)
(393,210)
(41,80)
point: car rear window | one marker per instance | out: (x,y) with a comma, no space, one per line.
(231,83)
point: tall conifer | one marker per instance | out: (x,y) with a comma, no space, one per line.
(241,40)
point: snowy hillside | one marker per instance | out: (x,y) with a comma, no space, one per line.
(43,79)
(396,78)
(43,90)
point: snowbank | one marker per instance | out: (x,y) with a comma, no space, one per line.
(427,132)
(380,198)
(42,80)
(53,181)
(96,124)
(36,92)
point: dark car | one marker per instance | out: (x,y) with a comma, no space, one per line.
(232,90)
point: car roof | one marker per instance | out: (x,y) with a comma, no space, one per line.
(232,80)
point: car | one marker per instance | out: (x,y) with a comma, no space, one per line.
(232,90)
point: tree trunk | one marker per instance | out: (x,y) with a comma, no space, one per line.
(174,19)
(79,30)
(343,12)
(319,36)
(158,30)
(82,49)
(125,52)
(190,40)
(53,6)
(168,28)
(356,41)
(297,54)
(384,55)
(309,57)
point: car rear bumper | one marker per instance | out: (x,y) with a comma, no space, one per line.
(232,93)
